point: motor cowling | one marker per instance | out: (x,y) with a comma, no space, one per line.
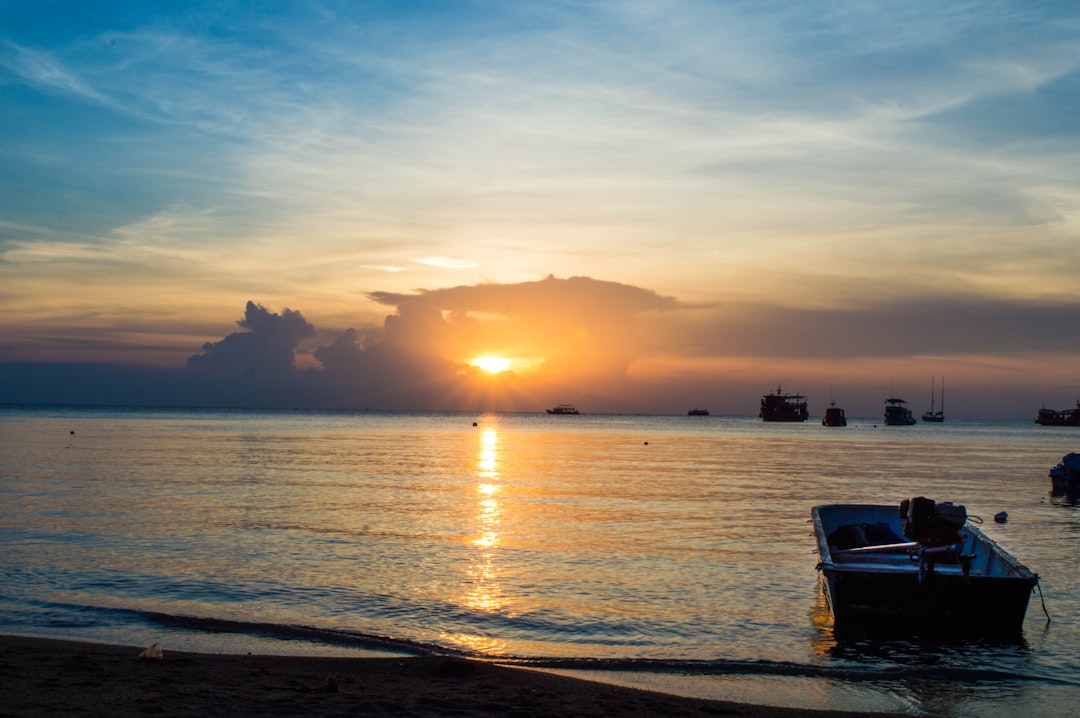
(930,523)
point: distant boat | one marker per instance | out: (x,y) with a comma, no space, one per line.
(1053,417)
(698,412)
(834,416)
(779,406)
(563,409)
(897,413)
(935,417)
(921,566)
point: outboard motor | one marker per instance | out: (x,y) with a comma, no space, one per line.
(930,523)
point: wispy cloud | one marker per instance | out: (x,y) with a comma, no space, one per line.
(446,262)
(42,69)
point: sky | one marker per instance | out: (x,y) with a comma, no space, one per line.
(642,206)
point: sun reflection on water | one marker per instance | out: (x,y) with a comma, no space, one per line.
(822,640)
(489,455)
(484,591)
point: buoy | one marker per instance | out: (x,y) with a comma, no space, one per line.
(1001,517)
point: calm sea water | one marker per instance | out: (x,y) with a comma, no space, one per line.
(670,552)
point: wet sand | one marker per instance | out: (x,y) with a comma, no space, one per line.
(45,677)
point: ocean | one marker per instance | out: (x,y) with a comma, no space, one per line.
(666,552)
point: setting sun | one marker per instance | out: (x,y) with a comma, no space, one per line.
(492,364)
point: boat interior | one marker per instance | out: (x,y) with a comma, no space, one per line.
(871,538)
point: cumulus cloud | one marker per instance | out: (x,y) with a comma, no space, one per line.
(575,296)
(574,328)
(268,347)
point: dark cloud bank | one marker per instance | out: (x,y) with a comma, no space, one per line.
(405,364)
(255,368)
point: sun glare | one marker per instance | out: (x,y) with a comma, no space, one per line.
(492,364)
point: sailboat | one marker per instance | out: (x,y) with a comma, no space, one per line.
(935,416)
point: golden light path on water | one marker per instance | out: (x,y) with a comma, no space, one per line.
(484,592)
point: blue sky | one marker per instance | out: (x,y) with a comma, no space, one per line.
(894,184)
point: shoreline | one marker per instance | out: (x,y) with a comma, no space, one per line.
(47,677)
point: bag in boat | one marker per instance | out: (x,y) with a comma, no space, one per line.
(930,523)
(849,536)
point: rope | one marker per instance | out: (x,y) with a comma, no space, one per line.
(1042,600)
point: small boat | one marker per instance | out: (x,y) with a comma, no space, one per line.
(563,409)
(935,417)
(779,406)
(923,565)
(1065,477)
(1064,417)
(834,416)
(897,413)
(698,412)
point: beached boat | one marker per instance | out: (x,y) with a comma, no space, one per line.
(779,406)
(1065,477)
(1054,417)
(897,413)
(563,409)
(935,417)
(834,416)
(698,412)
(920,565)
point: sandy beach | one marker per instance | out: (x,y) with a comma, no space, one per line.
(45,677)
